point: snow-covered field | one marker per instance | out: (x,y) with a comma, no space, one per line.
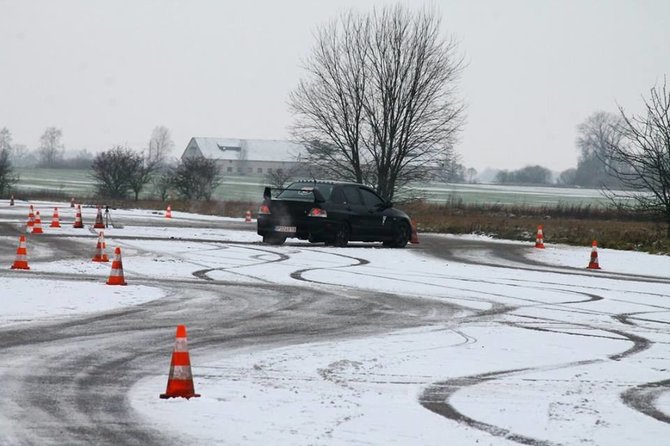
(534,355)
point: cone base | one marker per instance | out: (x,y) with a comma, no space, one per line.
(20,266)
(99,226)
(166,396)
(116,282)
(593,267)
(100,259)
(54,226)
(539,246)
(78,226)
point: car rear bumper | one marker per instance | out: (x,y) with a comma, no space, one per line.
(319,228)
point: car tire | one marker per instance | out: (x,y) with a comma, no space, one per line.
(342,235)
(274,239)
(401,235)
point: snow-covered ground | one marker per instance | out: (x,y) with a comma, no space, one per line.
(559,349)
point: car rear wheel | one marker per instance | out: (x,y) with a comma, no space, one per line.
(342,235)
(274,239)
(401,235)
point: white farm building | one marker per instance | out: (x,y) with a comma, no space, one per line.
(250,157)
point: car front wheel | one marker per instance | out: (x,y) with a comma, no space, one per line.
(401,235)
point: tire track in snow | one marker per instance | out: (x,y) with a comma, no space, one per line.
(643,398)
(203,273)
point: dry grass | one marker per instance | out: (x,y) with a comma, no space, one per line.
(574,226)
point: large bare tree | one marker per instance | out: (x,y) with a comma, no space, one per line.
(51,149)
(378,104)
(642,156)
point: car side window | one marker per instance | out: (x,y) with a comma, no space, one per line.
(370,199)
(337,196)
(351,194)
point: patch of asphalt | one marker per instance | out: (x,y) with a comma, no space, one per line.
(447,249)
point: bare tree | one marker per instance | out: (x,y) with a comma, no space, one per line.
(115,170)
(162,183)
(196,178)
(594,136)
(7,178)
(143,174)
(378,105)
(450,169)
(567,177)
(160,146)
(279,178)
(471,174)
(5,139)
(642,156)
(51,149)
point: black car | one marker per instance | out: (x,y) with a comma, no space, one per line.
(331,212)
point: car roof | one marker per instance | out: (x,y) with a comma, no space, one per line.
(333,182)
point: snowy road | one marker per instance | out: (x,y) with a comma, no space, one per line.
(468,339)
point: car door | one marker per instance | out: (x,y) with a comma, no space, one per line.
(373,218)
(355,209)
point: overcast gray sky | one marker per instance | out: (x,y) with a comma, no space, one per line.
(108,72)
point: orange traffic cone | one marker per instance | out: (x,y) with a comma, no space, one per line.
(21,261)
(539,240)
(99,223)
(168,212)
(78,223)
(55,220)
(100,252)
(593,263)
(180,380)
(31,217)
(11,200)
(247,217)
(415,235)
(37,226)
(72,202)
(116,275)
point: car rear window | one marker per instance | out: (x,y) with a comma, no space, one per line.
(351,193)
(303,191)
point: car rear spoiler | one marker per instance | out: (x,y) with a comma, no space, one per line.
(318,196)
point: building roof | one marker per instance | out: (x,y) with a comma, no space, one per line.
(247,149)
